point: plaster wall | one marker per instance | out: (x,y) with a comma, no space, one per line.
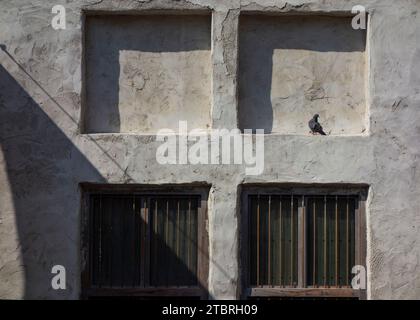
(294,67)
(145,73)
(44,154)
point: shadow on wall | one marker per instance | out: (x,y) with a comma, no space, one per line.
(110,64)
(120,240)
(44,169)
(41,163)
(260,36)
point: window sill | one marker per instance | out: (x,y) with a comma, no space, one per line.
(303,292)
(145,292)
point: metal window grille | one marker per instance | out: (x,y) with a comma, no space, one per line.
(302,241)
(144,241)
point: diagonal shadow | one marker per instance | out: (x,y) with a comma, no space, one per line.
(41,163)
(108,36)
(44,171)
(41,167)
(64,111)
(120,242)
(260,36)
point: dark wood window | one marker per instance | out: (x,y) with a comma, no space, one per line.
(331,240)
(302,242)
(273,229)
(145,244)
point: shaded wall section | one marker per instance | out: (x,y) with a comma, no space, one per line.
(44,170)
(145,73)
(293,67)
(40,161)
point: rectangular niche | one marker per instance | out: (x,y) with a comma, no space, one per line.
(146,72)
(292,67)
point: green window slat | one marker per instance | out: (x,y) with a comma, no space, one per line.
(273,243)
(352,239)
(332,261)
(253,240)
(194,241)
(263,251)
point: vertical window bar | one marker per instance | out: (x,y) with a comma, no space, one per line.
(167,222)
(325,241)
(291,240)
(110,243)
(258,240)
(314,244)
(250,239)
(347,241)
(113,245)
(92,256)
(123,213)
(336,241)
(167,257)
(100,240)
(269,239)
(189,234)
(142,223)
(125,207)
(147,240)
(133,223)
(177,230)
(281,243)
(301,282)
(155,242)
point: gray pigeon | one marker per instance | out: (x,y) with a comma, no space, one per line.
(315,126)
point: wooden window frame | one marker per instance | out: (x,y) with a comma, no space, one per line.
(200,291)
(302,291)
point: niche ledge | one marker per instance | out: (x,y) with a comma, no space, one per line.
(292,67)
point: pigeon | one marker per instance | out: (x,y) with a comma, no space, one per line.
(315,126)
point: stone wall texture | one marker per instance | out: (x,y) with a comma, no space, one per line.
(59,127)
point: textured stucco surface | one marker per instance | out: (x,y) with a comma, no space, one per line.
(43,156)
(294,67)
(145,73)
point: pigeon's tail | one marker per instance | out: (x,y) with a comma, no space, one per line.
(322,132)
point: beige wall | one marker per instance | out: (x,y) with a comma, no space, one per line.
(147,73)
(291,68)
(45,157)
